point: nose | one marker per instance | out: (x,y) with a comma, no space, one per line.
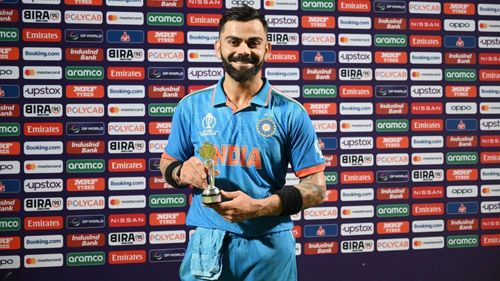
(243,49)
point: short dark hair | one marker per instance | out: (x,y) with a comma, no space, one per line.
(242,13)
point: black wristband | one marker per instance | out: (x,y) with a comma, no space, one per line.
(291,200)
(168,174)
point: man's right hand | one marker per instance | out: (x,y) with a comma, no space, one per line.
(193,172)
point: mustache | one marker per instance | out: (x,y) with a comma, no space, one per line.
(243,58)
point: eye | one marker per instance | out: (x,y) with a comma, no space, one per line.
(233,42)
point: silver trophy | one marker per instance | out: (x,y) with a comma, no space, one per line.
(211,194)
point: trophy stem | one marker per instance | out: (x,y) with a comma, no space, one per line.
(211,194)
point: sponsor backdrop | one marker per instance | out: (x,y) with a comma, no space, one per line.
(403,95)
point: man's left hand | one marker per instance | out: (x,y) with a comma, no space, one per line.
(238,207)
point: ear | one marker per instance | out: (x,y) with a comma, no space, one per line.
(217,48)
(268,50)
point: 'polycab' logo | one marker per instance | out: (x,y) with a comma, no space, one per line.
(83,17)
(391,74)
(85,184)
(393,193)
(392,159)
(427,192)
(427,209)
(321,248)
(85,240)
(393,227)
(350,212)
(392,142)
(324,126)
(417,7)
(127,257)
(317,39)
(126,128)
(320,213)
(171,218)
(170,55)
(85,203)
(85,110)
(43,223)
(167,237)
(393,244)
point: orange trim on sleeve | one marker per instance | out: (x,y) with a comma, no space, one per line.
(166,156)
(311,170)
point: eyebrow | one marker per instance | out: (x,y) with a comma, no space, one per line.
(239,39)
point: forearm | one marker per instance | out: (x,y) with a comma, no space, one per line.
(312,189)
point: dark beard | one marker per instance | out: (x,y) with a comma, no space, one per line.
(245,74)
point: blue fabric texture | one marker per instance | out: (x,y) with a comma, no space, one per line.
(206,258)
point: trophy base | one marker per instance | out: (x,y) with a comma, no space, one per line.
(211,199)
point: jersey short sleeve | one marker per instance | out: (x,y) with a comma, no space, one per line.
(303,148)
(179,144)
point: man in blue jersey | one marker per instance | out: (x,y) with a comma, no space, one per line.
(255,132)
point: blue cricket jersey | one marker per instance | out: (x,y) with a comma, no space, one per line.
(253,148)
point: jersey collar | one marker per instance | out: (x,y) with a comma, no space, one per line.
(260,99)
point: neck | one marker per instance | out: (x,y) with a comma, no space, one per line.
(240,94)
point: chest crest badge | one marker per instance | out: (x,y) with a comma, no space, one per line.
(266,127)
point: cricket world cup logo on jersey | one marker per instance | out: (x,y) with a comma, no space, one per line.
(208,124)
